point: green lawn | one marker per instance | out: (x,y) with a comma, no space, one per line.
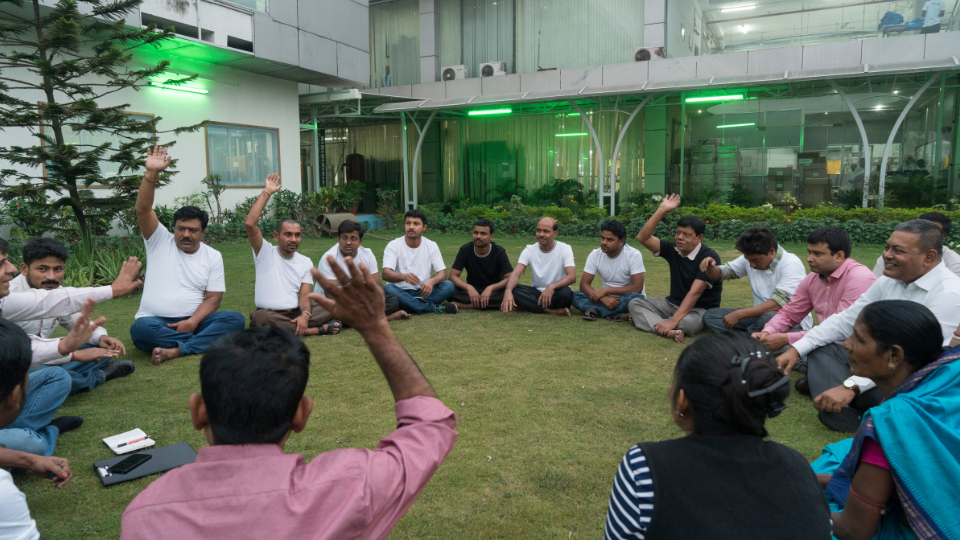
(546,408)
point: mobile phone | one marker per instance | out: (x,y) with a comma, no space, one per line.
(130,463)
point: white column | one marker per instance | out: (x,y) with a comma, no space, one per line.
(429,41)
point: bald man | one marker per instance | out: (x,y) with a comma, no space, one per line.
(553,272)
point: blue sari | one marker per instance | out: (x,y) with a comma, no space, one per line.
(918,427)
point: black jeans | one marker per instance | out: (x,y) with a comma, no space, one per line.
(527,297)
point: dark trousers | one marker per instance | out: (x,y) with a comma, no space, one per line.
(527,297)
(281,317)
(392,304)
(828,367)
(460,296)
(932,29)
(713,319)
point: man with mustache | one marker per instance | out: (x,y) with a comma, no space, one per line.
(407,263)
(184,284)
(283,275)
(43,266)
(553,268)
(621,270)
(488,269)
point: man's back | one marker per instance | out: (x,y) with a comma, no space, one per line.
(257,491)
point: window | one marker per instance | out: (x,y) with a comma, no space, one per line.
(242,155)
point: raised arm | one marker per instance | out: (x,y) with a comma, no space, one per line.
(271,186)
(360,304)
(645,236)
(157,161)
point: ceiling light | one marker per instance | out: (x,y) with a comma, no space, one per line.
(736,125)
(180,88)
(741,8)
(571,134)
(734,97)
(896,91)
(743,28)
(700,110)
(489,112)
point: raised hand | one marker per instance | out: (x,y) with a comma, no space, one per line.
(272,184)
(127,279)
(670,202)
(157,160)
(359,302)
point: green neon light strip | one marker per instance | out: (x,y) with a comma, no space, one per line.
(735,97)
(489,112)
(737,125)
(572,134)
(180,88)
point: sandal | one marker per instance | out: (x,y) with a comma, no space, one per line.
(591,314)
(326,328)
(614,318)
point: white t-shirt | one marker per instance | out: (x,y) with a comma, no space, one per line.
(402,259)
(279,279)
(785,274)
(549,267)
(15,520)
(175,281)
(616,272)
(364,255)
(933,9)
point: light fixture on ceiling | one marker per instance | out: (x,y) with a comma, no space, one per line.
(489,112)
(571,134)
(743,28)
(699,110)
(896,91)
(741,8)
(179,88)
(736,125)
(732,97)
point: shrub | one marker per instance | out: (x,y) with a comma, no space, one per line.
(741,196)
(593,213)
(563,215)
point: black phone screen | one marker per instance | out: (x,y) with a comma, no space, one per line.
(130,463)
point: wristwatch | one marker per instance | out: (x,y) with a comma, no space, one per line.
(851,384)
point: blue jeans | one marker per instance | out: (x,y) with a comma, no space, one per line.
(31,432)
(149,333)
(410,303)
(582,302)
(86,375)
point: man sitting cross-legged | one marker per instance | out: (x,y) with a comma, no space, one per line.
(349,240)
(950,257)
(551,262)
(283,275)
(621,274)
(43,265)
(914,271)
(834,283)
(184,283)
(692,292)
(252,400)
(407,262)
(488,269)
(774,275)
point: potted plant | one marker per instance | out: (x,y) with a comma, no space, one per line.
(324,200)
(351,194)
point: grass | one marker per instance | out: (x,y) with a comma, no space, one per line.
(546,408)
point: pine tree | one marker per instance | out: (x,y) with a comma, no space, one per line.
(73,58)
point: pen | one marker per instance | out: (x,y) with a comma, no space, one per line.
(133,441)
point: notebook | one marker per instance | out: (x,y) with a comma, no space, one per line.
(164,459)
(125,439)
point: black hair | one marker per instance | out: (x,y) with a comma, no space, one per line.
(615,227)
(835,238)
(349,226)
(938,217)
(252,382)
(41,248)
(921,163)
(279,225)
(908,324)
(698,225)
(191,212)
(717,373)
(4,246)
(416,214)
(756,241)
(484,222)
(931,237)
(14,357)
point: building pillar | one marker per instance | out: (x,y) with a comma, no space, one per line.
(429,41)
(655,149)
(654,23)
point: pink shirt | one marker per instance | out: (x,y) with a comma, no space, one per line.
(825,296)
(258,491)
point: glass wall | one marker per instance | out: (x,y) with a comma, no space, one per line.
(394,43)
(749,25)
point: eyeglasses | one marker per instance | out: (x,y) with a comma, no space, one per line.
(346,238)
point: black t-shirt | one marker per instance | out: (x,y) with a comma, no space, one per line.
(683,272)
(483,271)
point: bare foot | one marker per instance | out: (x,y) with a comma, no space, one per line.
(565,312)
(160,356)
(463,306)
(398,315)
(628,318)
(677,335)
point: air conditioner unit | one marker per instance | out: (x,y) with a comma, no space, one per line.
(491,69)
(453,73)
(644,54)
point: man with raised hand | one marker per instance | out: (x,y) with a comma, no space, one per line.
(692,292)
(950,257)
(488,269)
(43,267)
(914,270)
(407,262)
(554,270)
(349,244)
(621,276)
(283,279)
(774,275)
(252,400)
(15,519)
(184,284)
